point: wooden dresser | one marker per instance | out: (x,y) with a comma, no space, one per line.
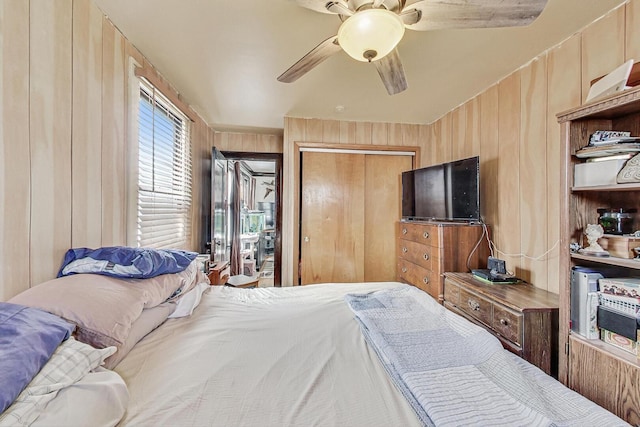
(427,249)
(523,317)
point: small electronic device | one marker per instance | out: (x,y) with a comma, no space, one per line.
(496,272)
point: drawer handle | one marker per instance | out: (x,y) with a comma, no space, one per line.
(404,250)
(404,231)
(426,280)
(473,305)
(504,322)
(404,269)
(425,234)
(426,257)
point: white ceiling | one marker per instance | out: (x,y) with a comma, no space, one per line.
(224,57)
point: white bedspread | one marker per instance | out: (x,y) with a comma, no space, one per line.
(263,357)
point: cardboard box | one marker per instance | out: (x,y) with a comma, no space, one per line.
(603,172)
(619,246)
(619,341)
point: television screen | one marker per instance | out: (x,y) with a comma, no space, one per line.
(448,192)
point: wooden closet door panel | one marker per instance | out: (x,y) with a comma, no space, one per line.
(383,193)
(332,217)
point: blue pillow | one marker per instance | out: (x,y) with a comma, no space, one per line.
(28,338)
(125,262)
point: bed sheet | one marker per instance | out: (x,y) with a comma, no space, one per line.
(263,357)
(99,399)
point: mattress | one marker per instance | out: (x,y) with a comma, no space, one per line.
(267,357)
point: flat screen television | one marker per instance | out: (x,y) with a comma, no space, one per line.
(445,192)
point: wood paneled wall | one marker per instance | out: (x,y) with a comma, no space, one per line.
(512,125)
(248,142)
(300,130)
(64,79)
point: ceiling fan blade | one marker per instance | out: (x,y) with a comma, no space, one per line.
(446,14)
(321,5)
(392,73)
(310,60)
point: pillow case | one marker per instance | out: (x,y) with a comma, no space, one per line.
(28,338)
(149,320)
(71,361)
(103,307)
(189,301)
(125,262)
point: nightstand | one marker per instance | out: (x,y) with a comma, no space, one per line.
(524,318)
(219,273)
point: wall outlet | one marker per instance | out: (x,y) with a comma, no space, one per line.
(497,264)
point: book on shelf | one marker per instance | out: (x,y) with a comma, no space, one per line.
(593,151)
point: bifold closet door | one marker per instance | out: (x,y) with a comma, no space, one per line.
(383,199)
(332,217)
(349,206)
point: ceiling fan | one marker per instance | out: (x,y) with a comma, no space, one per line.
(371,29)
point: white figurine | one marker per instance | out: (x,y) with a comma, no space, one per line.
(593,233)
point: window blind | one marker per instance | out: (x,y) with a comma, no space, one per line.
(164,172)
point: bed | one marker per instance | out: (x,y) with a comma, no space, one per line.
(359,354)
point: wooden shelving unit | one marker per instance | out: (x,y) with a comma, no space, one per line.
(603,373)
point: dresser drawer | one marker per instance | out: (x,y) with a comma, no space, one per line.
(508,323)
(417,253)
(419,277)
(421,233)
(476,306)
(451,293)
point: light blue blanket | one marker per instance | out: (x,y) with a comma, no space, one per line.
(453,372)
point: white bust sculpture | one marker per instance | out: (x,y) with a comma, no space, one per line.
(593,233)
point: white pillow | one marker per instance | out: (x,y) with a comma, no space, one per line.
(189,301)
(71,361)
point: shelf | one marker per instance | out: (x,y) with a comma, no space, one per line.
(614,187)
(621,262)
(614,351)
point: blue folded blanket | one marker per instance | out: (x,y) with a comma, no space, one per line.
(126,262)
(28,338)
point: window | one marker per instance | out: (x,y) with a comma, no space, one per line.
(164,172)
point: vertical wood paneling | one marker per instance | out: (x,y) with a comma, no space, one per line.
(437,144)
(564,89)
(50,135)
(364,133)
(410,134)
(533,169)
(472,132)
(458,132)
(602,47)
(425,135)
(507,235)
(395,134)
(331,131)
(489,157)
(347,132)
(632,38)
(443,148)
(314,130)
(114,110)
(249,143)
(15,170)
(379,133)
(86,140)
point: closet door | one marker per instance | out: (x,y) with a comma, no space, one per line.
(382,199)
(332,217)
(349,206)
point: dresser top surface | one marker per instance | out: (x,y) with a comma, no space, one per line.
(520,296)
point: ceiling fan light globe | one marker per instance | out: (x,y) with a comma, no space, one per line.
(377,30)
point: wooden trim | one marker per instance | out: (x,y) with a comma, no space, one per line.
(159,83)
